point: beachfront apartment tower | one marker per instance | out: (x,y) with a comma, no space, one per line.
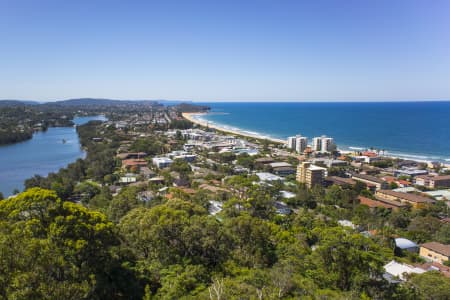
(317,144)
(291,142)
(327,144)
(310,174)
(301,142)
(323,144)
(297,143)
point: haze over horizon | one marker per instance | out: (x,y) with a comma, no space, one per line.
(235,101)
(208,51)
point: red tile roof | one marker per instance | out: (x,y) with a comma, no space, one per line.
(134,162)
(375,203)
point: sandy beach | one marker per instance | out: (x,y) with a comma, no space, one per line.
(191,117)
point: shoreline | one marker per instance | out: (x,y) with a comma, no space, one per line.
(27,169)
(191,117)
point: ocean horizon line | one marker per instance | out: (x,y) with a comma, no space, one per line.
(344,146)
(319,101)
(231,101)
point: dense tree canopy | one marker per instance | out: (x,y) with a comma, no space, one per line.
(80,233)
(54,249)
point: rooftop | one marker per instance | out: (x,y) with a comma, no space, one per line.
(408,189)
(406,196)
(287,195)
(434,266)
(412,172)
(368,178)
(397,269)
(441,177)
(438,247)
(403,243)
(264,160)
(280,164)
(439,194)
(134,162)
(375,203)
(162,159)
(341,180)
(316,168)
(263,176)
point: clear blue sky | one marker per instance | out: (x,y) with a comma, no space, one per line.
(225,50)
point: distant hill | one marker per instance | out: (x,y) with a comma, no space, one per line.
(92,102)
(101,102)
(172,102)
(17,102)
(189,107)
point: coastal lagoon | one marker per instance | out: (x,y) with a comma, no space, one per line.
(412,130)
(46,152)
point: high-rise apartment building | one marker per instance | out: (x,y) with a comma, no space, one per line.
(310,174)
(291,142)
(297,143)
(323,144)
(301,142)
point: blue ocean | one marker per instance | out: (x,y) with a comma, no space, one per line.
(414,130)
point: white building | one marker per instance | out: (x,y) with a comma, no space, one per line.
(268,177)
(291,142)
(317,144)
(287,195)
(323,144)
(398,270)
(128,178)
(301,142)
(297,143)
(162,162)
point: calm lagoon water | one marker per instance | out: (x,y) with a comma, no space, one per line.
(44,153)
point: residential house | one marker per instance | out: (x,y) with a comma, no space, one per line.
(396,272)
(423,180)
(434,251)
(136,164)
(128,178)
(162,162)
(129,155)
